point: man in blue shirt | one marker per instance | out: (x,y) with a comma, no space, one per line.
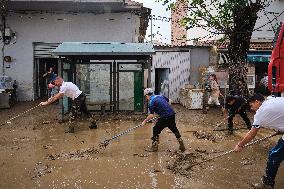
(159,105)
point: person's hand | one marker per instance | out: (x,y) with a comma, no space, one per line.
(43,103)
(50,99)
(143,123)
(238,148)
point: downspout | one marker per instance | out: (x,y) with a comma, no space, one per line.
(3,40)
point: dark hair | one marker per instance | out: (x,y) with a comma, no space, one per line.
(214,77)
(229,98)
(256,96)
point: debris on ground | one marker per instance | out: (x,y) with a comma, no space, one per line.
(40,170)
(205,135)
(180,161)
(75,155)
(141,155)
(48,146)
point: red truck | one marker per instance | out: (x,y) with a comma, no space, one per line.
(276,64)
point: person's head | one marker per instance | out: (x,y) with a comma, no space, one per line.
(213,77)
(230,99)
(265,74)
(148,92)
(255,101)
(51,69)
(58,81)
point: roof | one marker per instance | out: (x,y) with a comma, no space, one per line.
(256,45)
(96,6)
(103,48)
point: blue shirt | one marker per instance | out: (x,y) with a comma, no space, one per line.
(159,104)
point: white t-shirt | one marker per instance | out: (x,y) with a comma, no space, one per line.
(271,114)
(70,90)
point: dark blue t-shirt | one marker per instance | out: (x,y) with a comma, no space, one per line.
(159,104)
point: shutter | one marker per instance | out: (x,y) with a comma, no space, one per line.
(44,50)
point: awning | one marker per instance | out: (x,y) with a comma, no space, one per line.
(103,48)
(260,56)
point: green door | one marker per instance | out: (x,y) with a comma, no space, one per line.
(138,91)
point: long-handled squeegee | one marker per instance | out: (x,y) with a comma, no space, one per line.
(20,114)
(104,143)
(228,152)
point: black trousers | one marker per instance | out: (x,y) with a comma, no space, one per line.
(162,123)
(244,116)
(79,106)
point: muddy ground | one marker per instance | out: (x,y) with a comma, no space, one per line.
(36,153)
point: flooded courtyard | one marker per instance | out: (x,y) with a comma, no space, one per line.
(36,153)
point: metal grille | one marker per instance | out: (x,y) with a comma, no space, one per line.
(44,50)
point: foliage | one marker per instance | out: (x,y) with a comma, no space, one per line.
(235,20)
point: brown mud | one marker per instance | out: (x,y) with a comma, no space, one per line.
(36,153)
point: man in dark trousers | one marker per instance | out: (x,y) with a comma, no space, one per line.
(159,105)
(269,114)
(235,105)
(70,90)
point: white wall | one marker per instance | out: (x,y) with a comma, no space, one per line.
(179,64)
(57,28)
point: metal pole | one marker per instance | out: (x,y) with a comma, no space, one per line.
(151,28)
(3,41)
(60,73)
(3,62)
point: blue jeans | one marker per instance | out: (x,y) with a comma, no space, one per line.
(276,156)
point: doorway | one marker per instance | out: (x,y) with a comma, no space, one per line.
(42,65)
(162,81)
(261,68)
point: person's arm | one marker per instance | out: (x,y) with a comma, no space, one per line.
(52,99)
(249,136)
(46,74)
(150,116)
(225,113)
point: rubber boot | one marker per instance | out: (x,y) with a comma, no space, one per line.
(181,145)
(263,184)
(93,125)
(154,146)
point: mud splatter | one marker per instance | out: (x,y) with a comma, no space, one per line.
(180,161)
(141,155)
(206,136)
(40,170)
(86,154)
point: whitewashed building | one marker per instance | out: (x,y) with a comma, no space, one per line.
(33,29)
(175,67)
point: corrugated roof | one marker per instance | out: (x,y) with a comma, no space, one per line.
(257,45)
(104,48)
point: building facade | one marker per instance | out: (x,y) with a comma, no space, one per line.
(33,29)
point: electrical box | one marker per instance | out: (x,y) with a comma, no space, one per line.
(191,98)
(8,32)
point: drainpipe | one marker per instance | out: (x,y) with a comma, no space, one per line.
(151,28)
(3,62)
(3,40)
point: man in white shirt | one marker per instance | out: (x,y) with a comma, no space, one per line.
(70,90)
(269,114)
